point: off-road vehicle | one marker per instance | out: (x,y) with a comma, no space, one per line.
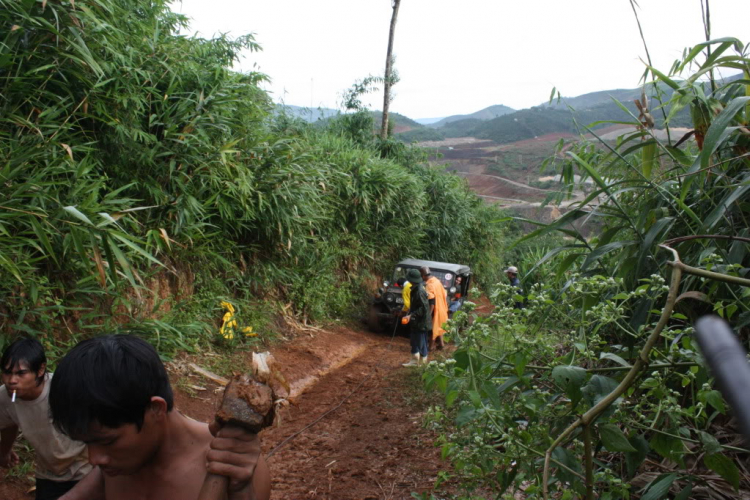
(388,301)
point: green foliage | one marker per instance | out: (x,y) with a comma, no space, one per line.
(146,182)
(522,376)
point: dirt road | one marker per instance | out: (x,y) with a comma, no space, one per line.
(372,446)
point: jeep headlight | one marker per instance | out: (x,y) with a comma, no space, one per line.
(386,284)
(390,297)
(452,290)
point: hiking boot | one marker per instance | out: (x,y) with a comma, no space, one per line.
(414,361)
(424,360)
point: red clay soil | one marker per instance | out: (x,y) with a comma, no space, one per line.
(371,446)
(553,137)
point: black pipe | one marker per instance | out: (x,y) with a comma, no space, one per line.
(727,360)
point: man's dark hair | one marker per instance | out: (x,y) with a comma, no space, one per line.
(28,350)
(424,271)
(107,380)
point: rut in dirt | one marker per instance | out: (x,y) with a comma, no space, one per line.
(373,446)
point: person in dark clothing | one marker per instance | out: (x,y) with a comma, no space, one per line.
(512,273)
(420,319)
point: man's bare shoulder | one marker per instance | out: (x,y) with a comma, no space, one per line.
(179,476)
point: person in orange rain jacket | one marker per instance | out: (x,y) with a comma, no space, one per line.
(438,304)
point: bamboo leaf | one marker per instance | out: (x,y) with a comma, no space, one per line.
(614,357)
(603,250)
(665,78)
(717,213)
(565,219)
(78,215)
(42,236)
(135,247)
(124,264)
(719,131)
(99,262)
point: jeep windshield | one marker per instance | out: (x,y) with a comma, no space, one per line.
(445,277)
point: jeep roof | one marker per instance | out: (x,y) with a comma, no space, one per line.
(444,266)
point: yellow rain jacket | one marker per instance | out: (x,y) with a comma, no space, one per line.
(436,290)
(406,295)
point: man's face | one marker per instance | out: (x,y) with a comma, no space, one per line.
(23,380)
(510,275)
(122,450)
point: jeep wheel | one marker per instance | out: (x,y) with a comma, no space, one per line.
(373,320)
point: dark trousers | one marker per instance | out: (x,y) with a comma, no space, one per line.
(419,342)
(52,490)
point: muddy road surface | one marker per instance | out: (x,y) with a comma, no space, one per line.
(371,445)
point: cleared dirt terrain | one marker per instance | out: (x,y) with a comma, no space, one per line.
(501,174)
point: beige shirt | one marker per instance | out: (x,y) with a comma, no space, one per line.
(58,458)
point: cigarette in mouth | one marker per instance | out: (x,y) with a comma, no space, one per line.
(13,399)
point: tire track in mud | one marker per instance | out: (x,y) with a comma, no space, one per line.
(373,446)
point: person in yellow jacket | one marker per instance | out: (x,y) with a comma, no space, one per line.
(405,293)
(438,304)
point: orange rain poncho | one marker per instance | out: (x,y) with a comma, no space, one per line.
(436,290)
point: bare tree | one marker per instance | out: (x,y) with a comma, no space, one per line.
(389,71)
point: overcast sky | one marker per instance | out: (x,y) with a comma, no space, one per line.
(457,57)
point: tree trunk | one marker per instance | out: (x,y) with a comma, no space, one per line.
(388,71)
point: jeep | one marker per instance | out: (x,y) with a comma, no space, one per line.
(386,306)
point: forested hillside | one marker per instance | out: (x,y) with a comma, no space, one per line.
(483,114)
(562,115)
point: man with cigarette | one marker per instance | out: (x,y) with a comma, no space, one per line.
(60,461)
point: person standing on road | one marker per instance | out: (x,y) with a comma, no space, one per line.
(24,406)
(438,306)
(512,273)
(419,319)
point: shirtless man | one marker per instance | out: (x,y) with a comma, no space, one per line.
(113,394)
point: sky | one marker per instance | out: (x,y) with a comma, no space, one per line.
(459,57)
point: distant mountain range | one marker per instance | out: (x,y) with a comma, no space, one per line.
(503,124)
(483,114)
(428,121)
(569,115)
